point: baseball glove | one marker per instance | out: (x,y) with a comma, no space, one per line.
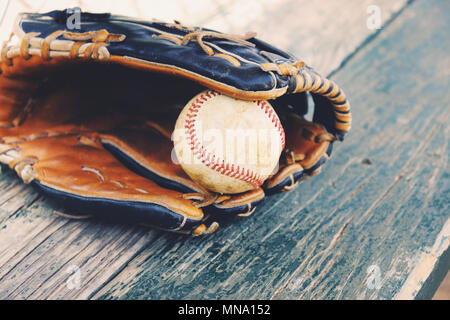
(86,115)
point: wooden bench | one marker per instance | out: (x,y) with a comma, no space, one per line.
(375,224)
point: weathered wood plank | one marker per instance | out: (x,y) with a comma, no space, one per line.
(380,215)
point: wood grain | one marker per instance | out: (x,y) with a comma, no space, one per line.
(316,242)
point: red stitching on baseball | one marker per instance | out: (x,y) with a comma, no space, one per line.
(274,118)
(210,160)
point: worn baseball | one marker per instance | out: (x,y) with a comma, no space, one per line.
(228,145)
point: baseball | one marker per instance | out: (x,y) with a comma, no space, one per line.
(228,145)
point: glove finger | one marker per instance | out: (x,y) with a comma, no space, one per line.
(242,205)
(148,153)
(78,171)
(308,147)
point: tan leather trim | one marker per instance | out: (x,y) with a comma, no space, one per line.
(229,58)
(283,174)
(242,199)
(214,85)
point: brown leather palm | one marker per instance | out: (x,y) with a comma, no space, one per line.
(56,127)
